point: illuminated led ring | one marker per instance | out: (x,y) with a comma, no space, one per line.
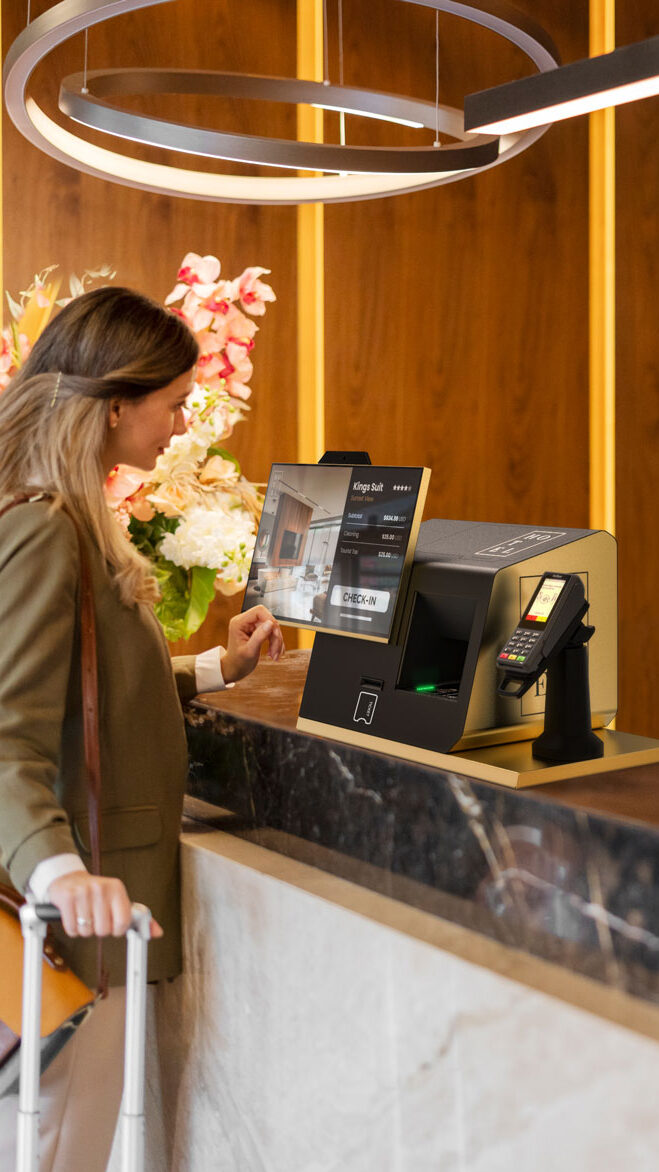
(92,110)
(68,17)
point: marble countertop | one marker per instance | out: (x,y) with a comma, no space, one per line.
(566,873)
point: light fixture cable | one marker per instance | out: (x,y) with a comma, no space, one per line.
(437,142)
(84,64)
(326,77)
(342,114)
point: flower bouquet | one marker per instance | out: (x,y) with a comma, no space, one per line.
(195,516)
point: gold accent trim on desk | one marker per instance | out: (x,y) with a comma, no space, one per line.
(511,765)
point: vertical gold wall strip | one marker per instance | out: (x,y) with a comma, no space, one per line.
(310,264)
(602,288)
(310,254)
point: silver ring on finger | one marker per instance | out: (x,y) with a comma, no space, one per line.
(83,922)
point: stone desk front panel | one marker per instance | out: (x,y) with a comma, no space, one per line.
(305,1037)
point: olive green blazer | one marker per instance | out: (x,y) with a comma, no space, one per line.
(43,807)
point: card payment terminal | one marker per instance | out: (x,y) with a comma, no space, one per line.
(551,620)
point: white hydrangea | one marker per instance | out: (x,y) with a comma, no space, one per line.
(222,541)
(184,453)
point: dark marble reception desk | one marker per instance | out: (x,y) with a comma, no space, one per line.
(556,886)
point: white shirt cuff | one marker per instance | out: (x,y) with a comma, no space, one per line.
(208,672)
(50,869)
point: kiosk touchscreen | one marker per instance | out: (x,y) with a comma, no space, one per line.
(334,545)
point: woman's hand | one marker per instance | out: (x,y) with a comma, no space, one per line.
(248,633)
(91,905)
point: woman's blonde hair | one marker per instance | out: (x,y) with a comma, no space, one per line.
(54,418)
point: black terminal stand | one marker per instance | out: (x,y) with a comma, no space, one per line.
(568,734)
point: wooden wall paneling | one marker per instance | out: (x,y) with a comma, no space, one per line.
(456,319)
(637,406)
(53,214)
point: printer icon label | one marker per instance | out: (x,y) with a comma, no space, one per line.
(365,707)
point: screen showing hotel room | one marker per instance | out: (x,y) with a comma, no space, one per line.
(333,545)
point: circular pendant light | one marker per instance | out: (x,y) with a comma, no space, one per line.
(84,98)
(361,172)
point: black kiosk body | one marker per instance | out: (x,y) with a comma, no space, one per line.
(433,688)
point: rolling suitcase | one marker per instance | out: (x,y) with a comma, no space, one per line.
(34,919)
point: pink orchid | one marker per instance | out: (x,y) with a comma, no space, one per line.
(122,483)
(246,343)
(211,361)
(209,345)
(253,293)
(203,314)
(6,352)
(8,358)
(222,297)
(236,327)
(198,272)
(193,311)
(237,371)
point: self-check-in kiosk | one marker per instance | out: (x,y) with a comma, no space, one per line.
(481,610)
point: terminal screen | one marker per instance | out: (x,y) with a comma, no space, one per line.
(544,600)
(334,545)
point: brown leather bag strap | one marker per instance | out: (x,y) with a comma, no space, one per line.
(18,500)
(89,669)
(10,899)
(89,678)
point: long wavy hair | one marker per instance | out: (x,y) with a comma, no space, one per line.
(109,343)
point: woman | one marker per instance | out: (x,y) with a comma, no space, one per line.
(104,384)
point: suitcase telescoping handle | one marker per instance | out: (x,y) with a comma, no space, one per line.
(34,920)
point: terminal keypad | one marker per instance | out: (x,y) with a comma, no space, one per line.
(519,647)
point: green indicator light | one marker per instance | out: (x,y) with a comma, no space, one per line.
(425,688)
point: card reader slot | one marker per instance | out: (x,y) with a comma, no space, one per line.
(369,682)
(437,643)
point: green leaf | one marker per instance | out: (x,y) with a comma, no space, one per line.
(172,609)
(202,593)
(147,535)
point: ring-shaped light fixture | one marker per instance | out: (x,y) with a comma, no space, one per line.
(83,98)
(68,17)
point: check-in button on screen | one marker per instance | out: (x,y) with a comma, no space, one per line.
(355,599)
